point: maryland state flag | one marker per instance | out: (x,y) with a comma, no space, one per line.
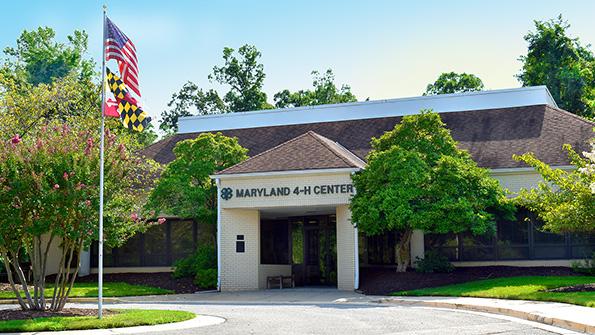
(130,112)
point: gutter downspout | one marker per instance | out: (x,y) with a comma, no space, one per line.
(355,251)
(218,182)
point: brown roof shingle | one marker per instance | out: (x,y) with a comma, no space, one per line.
(308,151)
(491,136)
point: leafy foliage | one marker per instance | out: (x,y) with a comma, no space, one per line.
(586,266)
(241,73)
(202,266)
(564,200)
(49,196)
(561,63)
(416,178)
(39,59)
(452,82)
(206,278)
(433,262)
(325,92)
(44,81)
(185,187)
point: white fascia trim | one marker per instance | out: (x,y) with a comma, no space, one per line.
(458,102)
(522,170)
(284,173)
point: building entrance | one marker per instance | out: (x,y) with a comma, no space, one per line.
(314,250)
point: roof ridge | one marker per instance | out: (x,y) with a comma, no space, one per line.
(337,153)
(265,152)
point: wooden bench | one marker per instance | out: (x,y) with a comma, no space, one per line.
(280,281)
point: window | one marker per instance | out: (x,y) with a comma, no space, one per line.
(160,245)
(515,240)
(381,249)
(274,242)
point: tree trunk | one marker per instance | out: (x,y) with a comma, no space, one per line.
(15,290)
(402,251)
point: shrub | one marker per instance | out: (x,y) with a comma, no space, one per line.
(433,262)
(586,266)
(206,278)
(204,258)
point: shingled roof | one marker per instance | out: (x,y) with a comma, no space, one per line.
(491,136)
(308,151)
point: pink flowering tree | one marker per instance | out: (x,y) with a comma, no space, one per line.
(49,199)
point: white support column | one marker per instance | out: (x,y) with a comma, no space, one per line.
(346,251)
(85,268)
(417,246)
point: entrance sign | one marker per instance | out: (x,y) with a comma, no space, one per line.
(257,192)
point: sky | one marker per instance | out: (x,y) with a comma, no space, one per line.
(382,49)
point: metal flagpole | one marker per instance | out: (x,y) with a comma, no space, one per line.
(100,247)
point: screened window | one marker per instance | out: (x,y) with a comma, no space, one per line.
(160,245)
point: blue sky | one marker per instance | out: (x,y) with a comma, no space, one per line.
(382,49)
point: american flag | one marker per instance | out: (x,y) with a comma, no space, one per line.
(119,47)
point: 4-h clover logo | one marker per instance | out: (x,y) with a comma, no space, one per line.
(226,193)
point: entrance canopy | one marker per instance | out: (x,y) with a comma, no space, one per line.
(299,190)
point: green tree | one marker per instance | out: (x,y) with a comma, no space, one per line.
(565,199)
(43,80)
(417,178)
(452,82)
(561,63)
(245,77)
(325,91)
(241,73)
(38,58)
(49,199)
(190,100)
(185,187)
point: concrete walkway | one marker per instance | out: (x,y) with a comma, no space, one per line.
(566,316)
(300,296)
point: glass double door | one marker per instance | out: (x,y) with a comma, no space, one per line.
(314,250)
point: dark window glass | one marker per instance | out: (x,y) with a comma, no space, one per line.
(513,238)
(582,245)
(129,254)
(478,248)
(444,244)
(160,245)
(274,242)
(297,242)
(381,249)
(155,246)
(182,239)
(548,245)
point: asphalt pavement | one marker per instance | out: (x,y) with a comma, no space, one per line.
(349,319)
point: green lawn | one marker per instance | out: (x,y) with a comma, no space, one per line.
(522,288)
(110,289)
(126,318)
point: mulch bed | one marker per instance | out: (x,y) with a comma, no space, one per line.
(382,281)
(162,280)
(17,314)
(575,288)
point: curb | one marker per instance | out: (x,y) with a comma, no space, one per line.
(567,324)
(70,300)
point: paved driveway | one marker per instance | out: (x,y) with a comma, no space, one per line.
(329,311)
(326,311)
(348,318)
